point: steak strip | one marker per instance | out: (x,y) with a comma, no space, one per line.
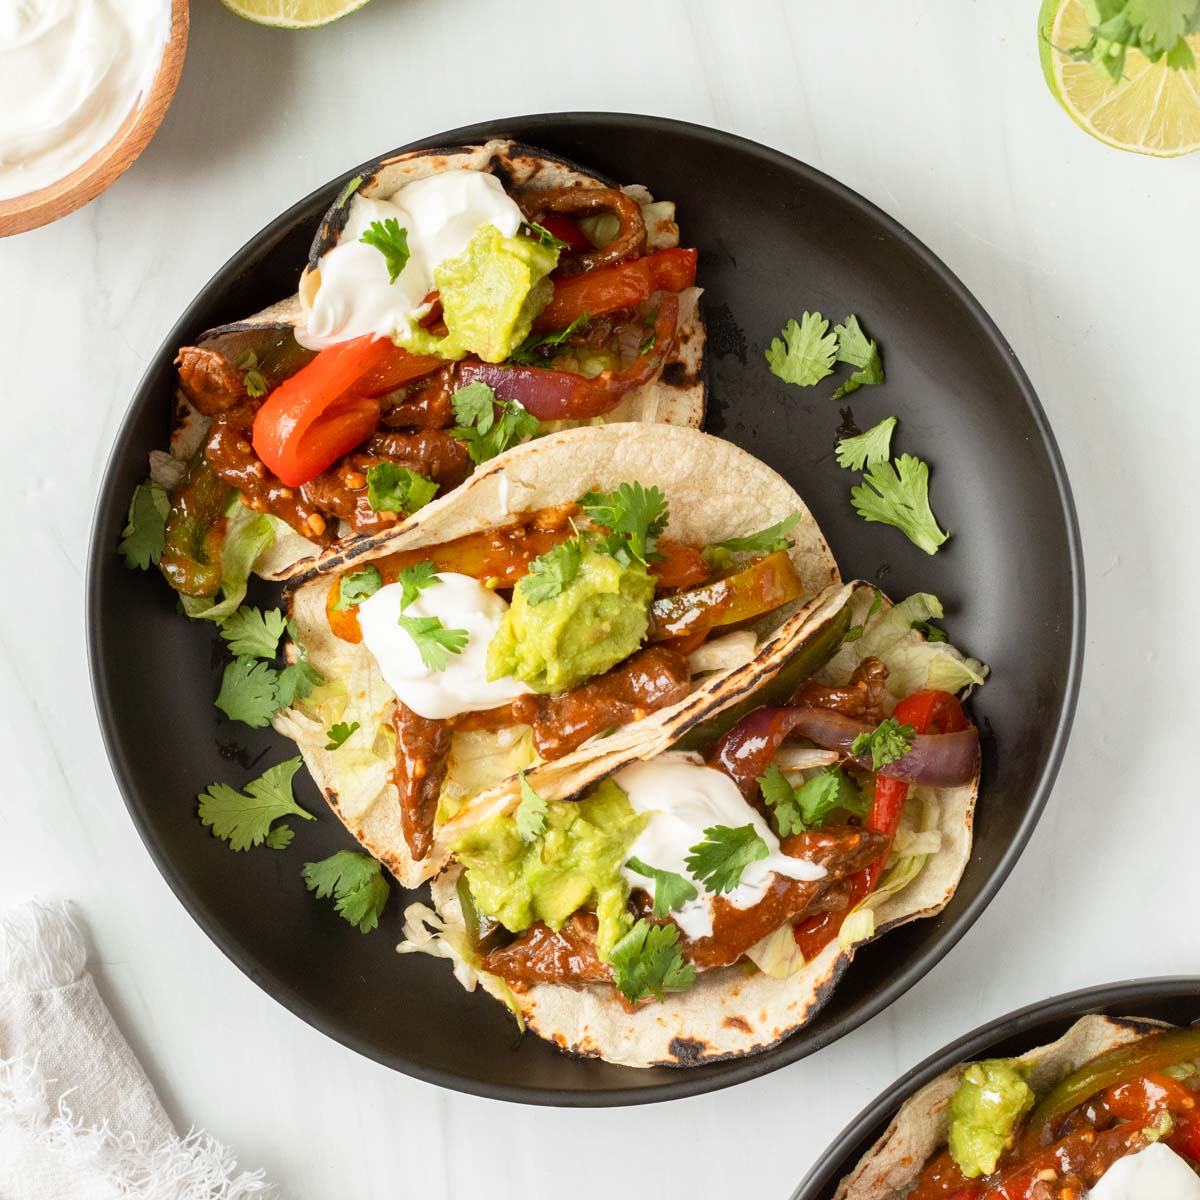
(422,753)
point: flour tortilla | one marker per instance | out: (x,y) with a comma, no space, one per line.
(733,1011)
(676,397)
(715,491)
(890,1169)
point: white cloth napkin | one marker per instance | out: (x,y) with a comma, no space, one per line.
(79,1120)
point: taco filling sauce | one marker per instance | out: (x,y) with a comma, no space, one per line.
(1125,1126)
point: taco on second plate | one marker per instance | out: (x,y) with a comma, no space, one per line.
(1110,1111)
(456,302)
(578,602)
(700,901)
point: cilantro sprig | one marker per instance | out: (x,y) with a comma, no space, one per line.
(391,241)
(636,515)
(355,881)
(550,573)
(805,353)
(647,961)
(874,446)
(253,691)
(525,354)
(765,541)
(720,860)
(339,734)
(254,381)
(530,815)
(249,692)
(887,742)
(245,820)
(356,586)
(671,890)
(1155,27)
(487,424)
(145,532)
(897,493)
(391,488)
(796,809)
(433,640)
(414,579)
(855,348)
(252,632)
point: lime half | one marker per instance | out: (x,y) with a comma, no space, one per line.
(293,14)
(1153,110)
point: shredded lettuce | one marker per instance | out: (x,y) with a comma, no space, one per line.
(480,759)
(777,955)
(661,230)
(247,536)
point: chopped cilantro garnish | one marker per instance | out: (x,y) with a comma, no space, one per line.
(524,355)
(636,515)
(719,860)
(671,890)
(806,352)
(339,734)
(874,446)
(356,586)
(897,493)
(530,815)
(888,741)
(245,820)
(551,572)
(296,681)
(489,425)
(254,380)
(433,640)
(414,579)
(356,883)
(647,961)
(249,692)
(391,241)
(796,809)
(252,633)
(398,489)
(855,348)
(144,535)
(765,541)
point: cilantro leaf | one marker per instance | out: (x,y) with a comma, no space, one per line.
(780,797)
(280,838)
(719,860)
(433,640)
(398,489)
(545,237)
(356,883)
(856,631)
(253,379)
(897,493)
(415,579)
(296,681)
(249,692)
(524,355)
(551,572)
(253,633)
(671,890)
(929,631)
(874,446)
(339,734)
(489,425)
(355,587)
(531,812)
(765,541)
(806,353)
(145,532)
(888,741)
(636,513)
(245,820)
(647,960)
(391,241)
(831,789)
(855,348)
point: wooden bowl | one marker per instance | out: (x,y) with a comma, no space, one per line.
(90,178)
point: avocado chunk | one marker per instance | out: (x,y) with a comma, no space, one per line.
(984,1113)
(490,295)
(598,619)
(575,864)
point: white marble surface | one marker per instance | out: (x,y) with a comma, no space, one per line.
(936,110)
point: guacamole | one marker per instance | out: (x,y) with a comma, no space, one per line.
(598,619)
(576,863)
(490,294)
(991,1098)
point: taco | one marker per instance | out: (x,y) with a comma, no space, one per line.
(700,902)
(1110,1111)
(455,302)
(579,602)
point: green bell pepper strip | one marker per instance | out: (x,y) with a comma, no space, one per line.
(191,556)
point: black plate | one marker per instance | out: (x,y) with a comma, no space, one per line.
(1175,999)
(776,237)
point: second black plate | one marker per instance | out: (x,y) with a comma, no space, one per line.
(776,237)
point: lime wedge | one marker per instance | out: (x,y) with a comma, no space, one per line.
(1153,110)
(293,14)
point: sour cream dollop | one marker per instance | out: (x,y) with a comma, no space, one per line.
(441,214)
(1156,1173)
(684,798)
(71,71)
(459,602)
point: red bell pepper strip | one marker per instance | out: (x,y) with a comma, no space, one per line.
(560,226)
(625,285)
(927,712)
(330,405)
